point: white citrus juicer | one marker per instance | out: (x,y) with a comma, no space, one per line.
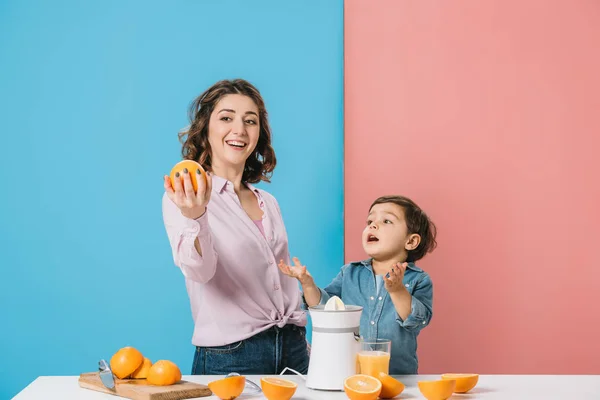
(335,344)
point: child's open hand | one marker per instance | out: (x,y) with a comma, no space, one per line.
(394,283)
(297,271)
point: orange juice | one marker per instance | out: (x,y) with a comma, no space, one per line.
(374,362)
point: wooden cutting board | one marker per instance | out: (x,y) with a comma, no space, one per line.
(139,389)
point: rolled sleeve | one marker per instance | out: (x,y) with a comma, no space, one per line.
(333,289)
(421,309)
(200,229)
(182,233)
(324,297)
(196,228)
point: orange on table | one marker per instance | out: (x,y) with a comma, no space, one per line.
(362,387)
(163,373)
(437,390)
(142,371)
(464,382)
(125,361)
(228,388)
(191,166)
(390,387)
(277,388)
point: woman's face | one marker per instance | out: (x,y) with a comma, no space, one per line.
(233,130)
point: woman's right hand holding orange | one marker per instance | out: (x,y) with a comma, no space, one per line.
(192,205)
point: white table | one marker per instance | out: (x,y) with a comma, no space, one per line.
(490,387)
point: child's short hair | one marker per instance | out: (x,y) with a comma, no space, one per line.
(417,222)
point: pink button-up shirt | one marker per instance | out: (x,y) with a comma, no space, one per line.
(235,288)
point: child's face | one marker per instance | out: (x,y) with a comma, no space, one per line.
(386,236)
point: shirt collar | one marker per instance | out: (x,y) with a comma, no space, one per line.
(220,184)
(368,263)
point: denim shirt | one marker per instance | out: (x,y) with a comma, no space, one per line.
(355,285)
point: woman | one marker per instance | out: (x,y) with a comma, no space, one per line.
(228,238)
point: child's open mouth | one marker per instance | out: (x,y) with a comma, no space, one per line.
(372,238)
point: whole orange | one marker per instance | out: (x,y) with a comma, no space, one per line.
(125,361)
(163,373)
(191,166)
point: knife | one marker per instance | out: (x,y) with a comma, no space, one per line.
(106,375)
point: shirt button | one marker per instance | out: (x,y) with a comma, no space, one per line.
(372,322)
(380,298)
(372,298)
(276,287)
(423,322)
(407,285)
(271,262)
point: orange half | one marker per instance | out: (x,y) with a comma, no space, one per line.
(228,388)
(464,382)
(362,387)
(390,387)
(277,388)
(142,371)
(437,390)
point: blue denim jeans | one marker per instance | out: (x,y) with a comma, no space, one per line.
(266,353)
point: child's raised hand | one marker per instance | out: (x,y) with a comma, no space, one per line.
(297,271)
(396,276)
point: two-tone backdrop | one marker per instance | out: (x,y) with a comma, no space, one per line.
(484,113)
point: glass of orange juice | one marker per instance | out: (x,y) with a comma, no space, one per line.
(374,356)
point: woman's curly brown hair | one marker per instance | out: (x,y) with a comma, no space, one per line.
(261,163)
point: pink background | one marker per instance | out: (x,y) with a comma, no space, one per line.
(487,114)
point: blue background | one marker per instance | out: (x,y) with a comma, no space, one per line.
(92,95)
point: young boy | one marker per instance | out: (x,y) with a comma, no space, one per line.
(395,294)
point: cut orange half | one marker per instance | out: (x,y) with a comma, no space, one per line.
(390,387)
(437,390)
(464,382)
(228,388)
(362,387)
(277,388)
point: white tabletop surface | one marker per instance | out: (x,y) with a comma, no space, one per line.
(490,387)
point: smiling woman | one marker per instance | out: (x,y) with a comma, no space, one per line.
(228,237)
